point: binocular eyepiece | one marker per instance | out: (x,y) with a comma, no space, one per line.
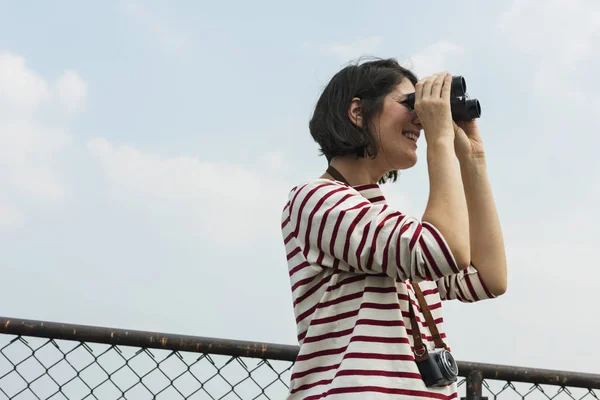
(463,108)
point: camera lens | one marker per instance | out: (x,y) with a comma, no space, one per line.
(448,363)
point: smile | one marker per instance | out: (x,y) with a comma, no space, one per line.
(412,135)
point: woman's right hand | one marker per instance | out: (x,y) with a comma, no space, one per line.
(432,105)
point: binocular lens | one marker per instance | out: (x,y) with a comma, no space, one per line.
(459,86)
(473,108)
(463,108)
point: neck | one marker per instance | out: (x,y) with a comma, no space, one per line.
(359,171)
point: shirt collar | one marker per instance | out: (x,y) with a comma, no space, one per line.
(371,192)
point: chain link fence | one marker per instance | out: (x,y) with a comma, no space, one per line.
(32,368)
(42,360)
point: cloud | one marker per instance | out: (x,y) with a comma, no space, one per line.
(168,37)
(29,144)
(562,36)
(274,160)
(564,29)
(72,91)
(434,58)
(355,49)
(229,204)
(10,216)
(21,89)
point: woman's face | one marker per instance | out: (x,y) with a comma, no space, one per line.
(397,129)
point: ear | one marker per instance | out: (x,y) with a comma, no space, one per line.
(355,112)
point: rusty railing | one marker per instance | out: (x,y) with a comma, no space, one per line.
(48,360)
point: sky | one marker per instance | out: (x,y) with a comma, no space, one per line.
(147,150)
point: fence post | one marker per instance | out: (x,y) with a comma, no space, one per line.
(474,386)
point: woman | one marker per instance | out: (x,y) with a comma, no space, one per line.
(358,267)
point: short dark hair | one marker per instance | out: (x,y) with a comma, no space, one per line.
(330,125)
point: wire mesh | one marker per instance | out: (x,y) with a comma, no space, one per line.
(40,368)
(35,368)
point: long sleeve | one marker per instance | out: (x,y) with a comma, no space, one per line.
(466,286)
(334,225)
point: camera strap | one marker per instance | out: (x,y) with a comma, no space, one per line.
(420,349)
(336,175)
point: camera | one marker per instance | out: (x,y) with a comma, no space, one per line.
(463,108)
(438,369)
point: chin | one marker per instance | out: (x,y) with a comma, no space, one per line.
(405,163)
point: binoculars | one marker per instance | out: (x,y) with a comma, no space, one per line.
(463,108)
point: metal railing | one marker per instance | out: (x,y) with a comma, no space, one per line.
(47,360)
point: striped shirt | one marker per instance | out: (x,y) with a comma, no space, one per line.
(351,261)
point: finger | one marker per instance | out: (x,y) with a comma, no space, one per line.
(438,83)
(419,90)
(426,90)
(456,127)
(445,94)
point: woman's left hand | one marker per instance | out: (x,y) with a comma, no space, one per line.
(467,140)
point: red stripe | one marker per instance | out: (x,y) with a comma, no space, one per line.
(436,321)
(470,286)
(320,353)
(341,299)
(347,281)
(379,356)
(305,200)
(302,282)
(447,287)
(322,228)
(330,335)
(377,199)
(430,291)
(367,339)
(424,336)
(366,186)
(359,372)
(315,209)
(376,235)
(285,222)
(485,289)
(428,272)
(311,371)
(363,321)
(355,355)
(429,257)
(458,289)
(361,245)
(298,268)
(377,389)
(348,297)
(294,198)
(293,253)
(349,232)
(387,249)
(391,374)
(416,236)
(405,273)
(337,317)
(445,250)
(312,290)
(337,227)
(376,322)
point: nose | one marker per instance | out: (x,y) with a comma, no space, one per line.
(416,121)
